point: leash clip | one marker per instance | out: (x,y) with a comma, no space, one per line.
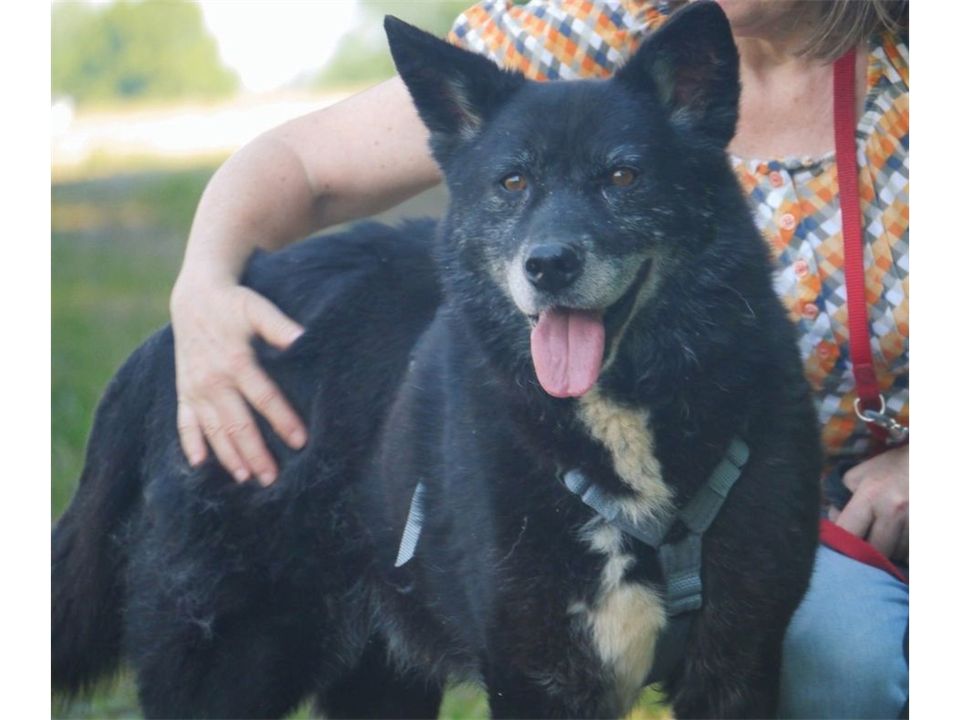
(897,432)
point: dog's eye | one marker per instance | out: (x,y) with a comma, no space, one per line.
(514,183)
(622,177)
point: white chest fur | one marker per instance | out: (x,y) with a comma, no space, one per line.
(625,618)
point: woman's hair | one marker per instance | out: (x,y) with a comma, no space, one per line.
(840,25)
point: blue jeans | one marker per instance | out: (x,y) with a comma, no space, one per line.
(844,654)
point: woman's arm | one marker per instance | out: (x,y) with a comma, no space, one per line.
(353,159)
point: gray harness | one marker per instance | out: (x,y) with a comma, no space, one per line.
(680,560)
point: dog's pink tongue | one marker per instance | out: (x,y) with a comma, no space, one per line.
(567,348)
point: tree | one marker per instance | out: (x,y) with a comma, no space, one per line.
(155,49)
(362,56)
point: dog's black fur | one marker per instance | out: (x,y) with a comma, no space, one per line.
(232,600)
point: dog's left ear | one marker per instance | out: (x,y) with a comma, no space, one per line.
(694,66)
(455,91)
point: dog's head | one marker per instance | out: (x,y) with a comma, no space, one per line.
(570,202)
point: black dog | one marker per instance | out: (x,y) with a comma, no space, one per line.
(595,318)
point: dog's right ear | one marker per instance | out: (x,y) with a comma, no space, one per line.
(455,91)
(692,61)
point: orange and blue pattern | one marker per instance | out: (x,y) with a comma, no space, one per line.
(795,200)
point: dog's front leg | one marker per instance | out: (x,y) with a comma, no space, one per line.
(735,681)
(731,667)
(553,692)
(515,697)
(511,695)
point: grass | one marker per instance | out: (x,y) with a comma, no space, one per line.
(116,246)
(117,242)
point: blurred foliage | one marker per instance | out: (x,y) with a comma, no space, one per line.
(154,49)
(362,56)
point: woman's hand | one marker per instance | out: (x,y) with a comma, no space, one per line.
(350,160)
(218,376)
(879,508)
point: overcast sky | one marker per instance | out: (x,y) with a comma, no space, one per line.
(271,43)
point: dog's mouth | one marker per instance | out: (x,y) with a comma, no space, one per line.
(568,344)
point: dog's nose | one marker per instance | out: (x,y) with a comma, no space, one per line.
(552,266)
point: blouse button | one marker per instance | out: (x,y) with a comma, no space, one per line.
(776,179)
(801,268)
(810,311)
(788,221)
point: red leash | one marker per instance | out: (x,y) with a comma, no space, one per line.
(846,543)
(844,131)
(869,405)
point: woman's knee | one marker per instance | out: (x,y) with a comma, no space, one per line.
(844,650)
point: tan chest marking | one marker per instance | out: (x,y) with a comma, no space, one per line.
(626,618)
(625,432)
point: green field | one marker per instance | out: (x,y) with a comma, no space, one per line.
(116,246)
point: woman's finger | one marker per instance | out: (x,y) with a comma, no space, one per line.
(857,516)
(263,394)
(191,436)
(885,534)
(215,432)
(244,436)
(854,476)
(269,323)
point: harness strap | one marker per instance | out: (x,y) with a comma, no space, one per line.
(680,560)
(607,506)
(412,528)
(698,514)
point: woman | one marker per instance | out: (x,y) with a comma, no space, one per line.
(845,650)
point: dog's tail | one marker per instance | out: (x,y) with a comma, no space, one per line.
(88,560)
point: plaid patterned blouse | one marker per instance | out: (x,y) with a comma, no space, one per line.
(795,200)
